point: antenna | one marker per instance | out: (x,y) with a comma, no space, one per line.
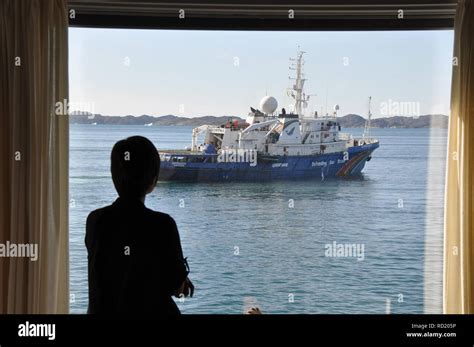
(326,106)
(366,135)
(307,97)
(296,92)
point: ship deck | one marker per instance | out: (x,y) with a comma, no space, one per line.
(179,152)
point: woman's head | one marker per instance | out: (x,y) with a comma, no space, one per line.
(135,164)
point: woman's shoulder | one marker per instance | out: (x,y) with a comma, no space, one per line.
(97,214)
(161,217)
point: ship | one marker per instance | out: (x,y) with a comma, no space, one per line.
(272,145)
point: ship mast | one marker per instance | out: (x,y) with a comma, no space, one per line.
(296,92)
(367,122)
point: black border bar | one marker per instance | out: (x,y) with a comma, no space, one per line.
(318,330)
(265,15)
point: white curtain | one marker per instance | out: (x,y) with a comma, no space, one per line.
(459,233)
(34,155)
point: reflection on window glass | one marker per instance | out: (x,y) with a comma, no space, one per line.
(318,193)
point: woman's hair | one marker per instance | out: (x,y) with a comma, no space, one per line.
(135,164)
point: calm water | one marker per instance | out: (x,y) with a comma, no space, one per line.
(265,244)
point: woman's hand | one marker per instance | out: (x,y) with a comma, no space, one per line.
(254,310)
(186,289)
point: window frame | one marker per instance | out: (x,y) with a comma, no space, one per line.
(315,15)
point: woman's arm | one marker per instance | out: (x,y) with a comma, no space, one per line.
(178,270)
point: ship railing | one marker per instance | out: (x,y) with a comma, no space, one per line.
(181,157)
(368,140)
(364,141)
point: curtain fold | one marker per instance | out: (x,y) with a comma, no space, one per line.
(459,234)
(34,152)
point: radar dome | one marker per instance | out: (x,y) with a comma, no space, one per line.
(336,107)
(268,104)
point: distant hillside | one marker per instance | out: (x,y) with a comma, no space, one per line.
(347,121)
(426,121)
(145,119)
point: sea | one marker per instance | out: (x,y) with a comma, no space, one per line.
(371,244)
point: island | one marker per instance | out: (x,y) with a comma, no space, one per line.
(347,121)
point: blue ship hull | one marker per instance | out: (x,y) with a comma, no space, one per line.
(205,168)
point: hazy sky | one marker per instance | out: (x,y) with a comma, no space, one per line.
(197,73)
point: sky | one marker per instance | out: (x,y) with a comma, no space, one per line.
(187,73)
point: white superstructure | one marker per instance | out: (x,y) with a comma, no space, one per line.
(274,134)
